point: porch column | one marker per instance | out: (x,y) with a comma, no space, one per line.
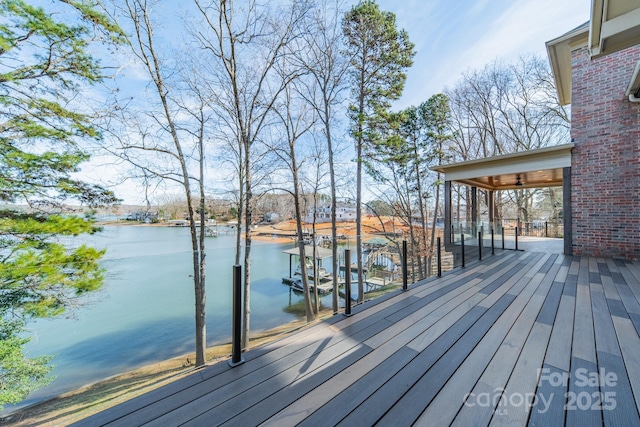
(447,212)
(492,207)
(474,210)
(567,219)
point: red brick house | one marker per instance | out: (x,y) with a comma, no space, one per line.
(596,67)
(597,70)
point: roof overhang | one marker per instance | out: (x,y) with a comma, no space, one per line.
(321,253)
(536,168)
(615,25)
(559,51)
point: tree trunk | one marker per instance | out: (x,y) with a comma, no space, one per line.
(334,205)
(301,250)
(358,229)
(240,206)
(246,321)
(358,201)
(316,301)
(412,235)
(200,291)
(435,216)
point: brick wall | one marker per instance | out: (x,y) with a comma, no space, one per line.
(605,170)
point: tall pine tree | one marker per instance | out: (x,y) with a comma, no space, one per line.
(379,55)
(44,64)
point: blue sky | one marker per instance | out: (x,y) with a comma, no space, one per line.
(454,36)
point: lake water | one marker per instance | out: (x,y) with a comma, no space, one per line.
(145,311)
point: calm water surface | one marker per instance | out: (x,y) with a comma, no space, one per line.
(145,311)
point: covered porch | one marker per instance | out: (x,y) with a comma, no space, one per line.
(540,168)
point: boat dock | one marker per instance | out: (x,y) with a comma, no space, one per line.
(296,284)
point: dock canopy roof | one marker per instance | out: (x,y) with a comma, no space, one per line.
(527,169)
(321,253)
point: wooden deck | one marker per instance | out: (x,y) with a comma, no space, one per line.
(521,338)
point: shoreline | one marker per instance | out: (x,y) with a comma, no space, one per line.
(285,231)
(82,402)
(75,405)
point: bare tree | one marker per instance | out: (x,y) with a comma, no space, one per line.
(323,59)
(163,142)
(295,119)
(505,108)
(173,205)
(244,42)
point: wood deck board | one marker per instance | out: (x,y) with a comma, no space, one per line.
(234,394)
(627,276)
(497,373)
(366,370)
(306,413)
(615,387)
(524,377)
(182,397)
(488,303)
(410,407)
(386,343)
(630,348)
(511,321)
(276,401)
(452,395)
(583,353)
(375,406)
(548,406)
(436,376)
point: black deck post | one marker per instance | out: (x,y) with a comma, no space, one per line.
(516,238)
(502,238)
(236,327)
(462,246)
(404,266)
(479,245)
(347,282)
(439,246)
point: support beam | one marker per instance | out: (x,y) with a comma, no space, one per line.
(567,211)
(447,212)
(492,206)
(474,210)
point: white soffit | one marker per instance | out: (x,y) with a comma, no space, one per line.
(536,169)
(559,52)
(615,25)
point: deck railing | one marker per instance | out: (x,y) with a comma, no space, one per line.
(395,261)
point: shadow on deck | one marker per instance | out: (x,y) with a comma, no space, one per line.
(521,338)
